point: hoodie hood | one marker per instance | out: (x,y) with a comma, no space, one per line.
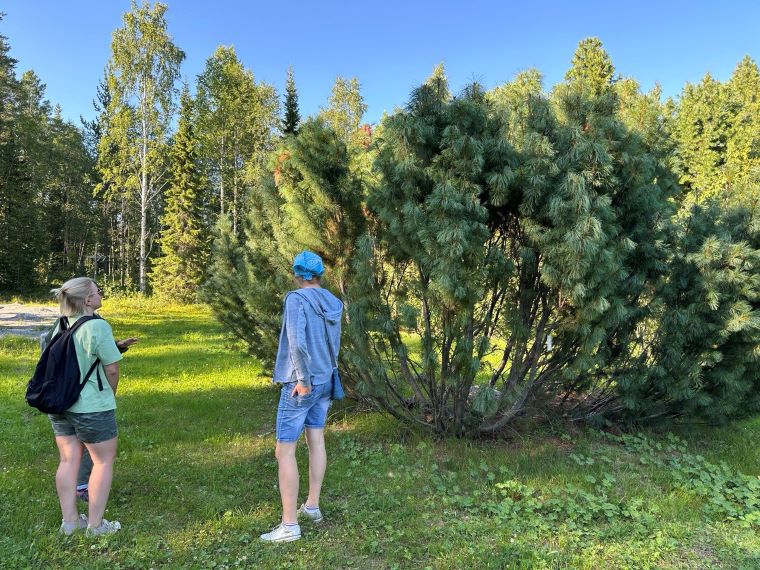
(323,302)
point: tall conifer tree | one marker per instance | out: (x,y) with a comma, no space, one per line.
(743,147)
(18,219)
(179,270)
(701,129)
(716,133)
(591,64)
(292,116)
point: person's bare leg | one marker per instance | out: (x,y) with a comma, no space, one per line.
(70,451)
(288,476)
(103,455)
(315,438)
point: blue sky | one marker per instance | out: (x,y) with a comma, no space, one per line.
(391,46)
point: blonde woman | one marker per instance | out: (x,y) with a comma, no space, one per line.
(91,421)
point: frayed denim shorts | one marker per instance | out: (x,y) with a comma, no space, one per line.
(92,427)
(294,413)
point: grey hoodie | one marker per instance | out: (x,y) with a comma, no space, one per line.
(303,355)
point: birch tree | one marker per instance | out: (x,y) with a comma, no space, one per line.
(142,74)
(236,121)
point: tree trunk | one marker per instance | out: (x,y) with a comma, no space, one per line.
(234,201)
(123,242)
(143,203)
(143,229)
(221,179)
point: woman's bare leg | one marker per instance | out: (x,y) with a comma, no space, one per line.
(70,451)
(103,455)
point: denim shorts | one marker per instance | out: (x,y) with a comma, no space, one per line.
(92,427)
(294,413)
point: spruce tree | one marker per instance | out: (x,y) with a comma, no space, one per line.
(116,187)
(107,264)
(180,269)
(70,239)
(292,117)
(20,233)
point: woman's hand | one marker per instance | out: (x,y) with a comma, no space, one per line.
(123,345)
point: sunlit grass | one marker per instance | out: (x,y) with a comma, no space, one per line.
(195,479)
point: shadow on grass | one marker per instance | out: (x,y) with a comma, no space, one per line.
(188,360)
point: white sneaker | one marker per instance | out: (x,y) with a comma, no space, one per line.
(106,527)
(282,533)
(68,528)
(315,515)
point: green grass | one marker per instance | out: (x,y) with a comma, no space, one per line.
(195,480)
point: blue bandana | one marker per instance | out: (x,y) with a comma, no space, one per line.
(307,265)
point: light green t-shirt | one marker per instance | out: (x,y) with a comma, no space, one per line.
(94,339)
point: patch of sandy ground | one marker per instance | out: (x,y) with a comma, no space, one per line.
(25,319)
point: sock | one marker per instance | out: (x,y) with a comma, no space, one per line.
(289,525)
(82,487)
(311,509)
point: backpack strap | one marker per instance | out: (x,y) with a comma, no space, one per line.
(89,373)
(80,321)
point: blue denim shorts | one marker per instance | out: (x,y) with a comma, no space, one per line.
(294,413)
(93,427)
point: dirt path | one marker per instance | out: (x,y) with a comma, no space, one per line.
(26,320)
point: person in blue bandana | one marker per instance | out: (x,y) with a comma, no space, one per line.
(306,356)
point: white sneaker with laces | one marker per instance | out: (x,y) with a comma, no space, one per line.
(314,515)
(282,533)
(68,528)
(106,527)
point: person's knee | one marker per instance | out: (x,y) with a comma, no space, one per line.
(285,450)
(315,438)
(104,462)
(70,454)
(70,459)
(103,453)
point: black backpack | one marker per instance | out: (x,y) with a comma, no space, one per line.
(57,383)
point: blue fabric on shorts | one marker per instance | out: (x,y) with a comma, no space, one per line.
(294,413)
(89,427)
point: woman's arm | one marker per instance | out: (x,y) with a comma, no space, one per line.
(112,375)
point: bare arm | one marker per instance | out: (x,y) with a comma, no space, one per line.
(112,375)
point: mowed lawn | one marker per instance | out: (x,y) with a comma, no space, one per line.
(195,480)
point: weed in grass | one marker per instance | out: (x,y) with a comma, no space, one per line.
(728,493)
